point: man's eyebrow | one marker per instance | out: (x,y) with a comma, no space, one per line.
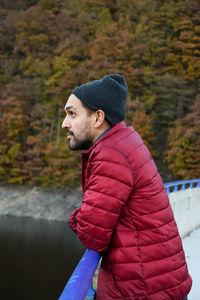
(70,107)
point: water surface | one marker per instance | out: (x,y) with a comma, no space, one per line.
(36,258)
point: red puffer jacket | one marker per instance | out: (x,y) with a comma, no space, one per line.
(127,217)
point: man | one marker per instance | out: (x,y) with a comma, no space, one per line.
(125,214)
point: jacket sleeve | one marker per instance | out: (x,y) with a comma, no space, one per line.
(107,189)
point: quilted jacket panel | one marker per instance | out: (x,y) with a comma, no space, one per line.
(127,217)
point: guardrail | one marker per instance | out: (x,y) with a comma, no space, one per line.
(175,186)
(184,197)
(79,285)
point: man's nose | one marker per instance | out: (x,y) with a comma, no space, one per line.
(65,123)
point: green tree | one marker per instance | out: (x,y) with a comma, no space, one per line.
(184,144)
(183,54)
(13,130)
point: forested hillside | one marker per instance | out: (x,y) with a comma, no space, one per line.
(47,47)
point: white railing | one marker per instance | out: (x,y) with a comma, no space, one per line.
(184,197)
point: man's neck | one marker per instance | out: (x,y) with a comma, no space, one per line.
(103,133)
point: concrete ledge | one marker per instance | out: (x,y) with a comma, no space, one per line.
(186,208)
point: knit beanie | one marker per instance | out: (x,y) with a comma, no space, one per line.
(108,94)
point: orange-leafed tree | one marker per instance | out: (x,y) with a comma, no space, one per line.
(141,121)
(183,154)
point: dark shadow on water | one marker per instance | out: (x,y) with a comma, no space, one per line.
(36,258)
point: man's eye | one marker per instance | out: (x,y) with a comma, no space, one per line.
(71,113)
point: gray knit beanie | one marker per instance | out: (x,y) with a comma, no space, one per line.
(108,94)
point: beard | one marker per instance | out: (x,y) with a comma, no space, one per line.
(80,144)
(81,141)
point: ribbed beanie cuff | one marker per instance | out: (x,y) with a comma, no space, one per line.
(108,94)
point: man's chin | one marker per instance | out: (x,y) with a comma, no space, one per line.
(79,145)
(71,145)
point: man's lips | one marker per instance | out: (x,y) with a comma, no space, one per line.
(69,134)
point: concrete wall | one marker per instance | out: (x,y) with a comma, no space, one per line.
(186,208)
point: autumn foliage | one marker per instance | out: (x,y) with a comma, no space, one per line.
(47,47)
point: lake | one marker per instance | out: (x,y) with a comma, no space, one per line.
(37,258)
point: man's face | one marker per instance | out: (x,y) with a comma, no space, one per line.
(78,124)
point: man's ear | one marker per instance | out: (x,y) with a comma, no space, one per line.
(99,118)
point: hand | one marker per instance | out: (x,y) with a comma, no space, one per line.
(72,219)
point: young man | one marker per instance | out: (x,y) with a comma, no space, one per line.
(125,214)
